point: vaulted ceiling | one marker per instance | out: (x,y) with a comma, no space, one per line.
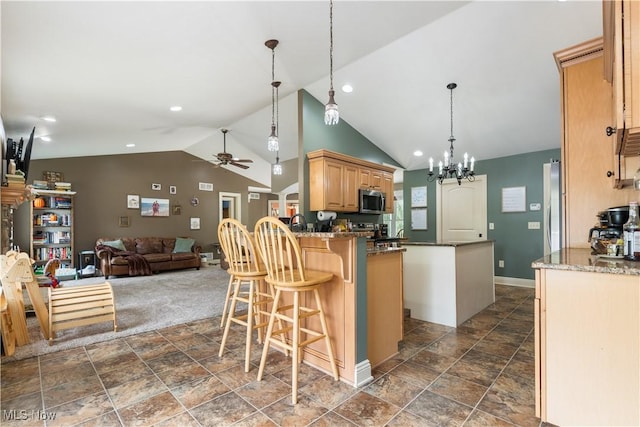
(109,71)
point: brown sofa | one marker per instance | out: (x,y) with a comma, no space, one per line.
(130,256)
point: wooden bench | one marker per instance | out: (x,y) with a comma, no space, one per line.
(79,306)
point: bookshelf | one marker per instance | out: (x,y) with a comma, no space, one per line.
(52,227)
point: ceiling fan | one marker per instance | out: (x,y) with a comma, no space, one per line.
(225,158)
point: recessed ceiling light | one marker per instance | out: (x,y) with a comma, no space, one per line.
(130,145)
(347,88)
(49,119)
(176,108)
(45,138)
(417,153)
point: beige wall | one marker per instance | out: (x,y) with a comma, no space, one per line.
(102,184)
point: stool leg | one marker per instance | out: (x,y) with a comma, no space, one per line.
(295,358)
(267,338)
(247,351)
(226,301)
(325,331)
(232,310)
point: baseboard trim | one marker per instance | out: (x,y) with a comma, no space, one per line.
(362,374)
(514,281)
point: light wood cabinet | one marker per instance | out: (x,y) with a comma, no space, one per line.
(622,68)
(587,331)
(588,154)
(384,306)
(335,178)
(333,185)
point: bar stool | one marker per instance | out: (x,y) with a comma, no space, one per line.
(245,268)
(281,254)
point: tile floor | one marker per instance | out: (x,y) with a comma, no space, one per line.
(481,373)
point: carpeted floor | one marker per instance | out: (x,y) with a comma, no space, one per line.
(142,304)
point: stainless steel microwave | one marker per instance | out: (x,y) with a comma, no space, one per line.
(371,201)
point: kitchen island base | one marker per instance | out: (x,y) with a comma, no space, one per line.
(447,283)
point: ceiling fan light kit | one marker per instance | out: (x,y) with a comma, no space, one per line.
(225,158)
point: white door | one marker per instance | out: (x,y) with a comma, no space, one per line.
(462,210)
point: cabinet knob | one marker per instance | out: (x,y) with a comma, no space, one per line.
(610,174)
(610,130)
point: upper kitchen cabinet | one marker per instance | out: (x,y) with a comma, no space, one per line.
(335,178)
(621,31)
(589,170)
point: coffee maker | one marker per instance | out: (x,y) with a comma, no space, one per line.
(609,228)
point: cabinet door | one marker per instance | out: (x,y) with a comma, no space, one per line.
(333,185)
(364,176)
(350,189)
(387,189)
(376,180)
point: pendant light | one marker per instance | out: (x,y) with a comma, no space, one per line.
(331,114)
(272,142)
(448,168)
(276,168)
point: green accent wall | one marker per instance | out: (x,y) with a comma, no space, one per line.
(514,242)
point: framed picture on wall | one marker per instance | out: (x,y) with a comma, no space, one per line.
(154,207)
(194,223)
(133,201)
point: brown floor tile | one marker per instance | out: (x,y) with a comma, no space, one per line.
(264,392)
(434,361)
(415,373)
(203,351)
(151,411)
(438,410)
(452,345)
(182,374)
(283,413)
(55,377)
(109,419)
(193,340)
(85,408)
(480,368)
(306,375)
(458,389)
(331,419)
(17,371)
(222,411)
(405,419)
(257,419)
(328,392)
(105,365)
(128,371)
(365,409)
(150,351)
(25,402)
(394,389)
(31,384)
(171,360)
(183,419)
(482,419)
(199,391)
(386,366)
(216,364)
(176,332)
(136,390)
(108,349)
(511,398)
(70,361)
(236,377)
(71,391)
(71,353)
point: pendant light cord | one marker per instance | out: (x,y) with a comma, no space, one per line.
(331,43)
(273,89)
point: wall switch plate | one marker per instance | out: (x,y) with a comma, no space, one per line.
(491,226)
(534,225)
(534,206)
(501,263)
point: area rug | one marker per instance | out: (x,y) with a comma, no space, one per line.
(142,304)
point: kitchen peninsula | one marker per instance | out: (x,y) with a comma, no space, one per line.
(447,283)
(587,339)
(362,303)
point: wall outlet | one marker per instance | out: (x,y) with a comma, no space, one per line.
(534,225)
(491,226)
(501,263)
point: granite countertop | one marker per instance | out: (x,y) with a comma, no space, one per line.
(574,259)
(455,244)
(340,235)
(384,251)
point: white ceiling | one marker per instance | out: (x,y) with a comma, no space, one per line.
(109,71)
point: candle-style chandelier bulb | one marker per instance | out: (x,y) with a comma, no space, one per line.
(331,113)
(277,167)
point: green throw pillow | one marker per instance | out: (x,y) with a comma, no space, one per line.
(115,244)
(183,245)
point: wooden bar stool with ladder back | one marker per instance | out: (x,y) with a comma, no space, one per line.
(247,273)
(286,272)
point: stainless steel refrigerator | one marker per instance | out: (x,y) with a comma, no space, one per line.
(552,205)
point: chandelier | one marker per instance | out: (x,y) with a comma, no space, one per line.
(272,141)
(448,168)
(331,114)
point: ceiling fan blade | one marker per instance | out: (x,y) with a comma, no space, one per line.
(243,160)
(240,165)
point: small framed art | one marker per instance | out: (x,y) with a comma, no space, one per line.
(123,221)
(172,189)
(133,201)
(195,223)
